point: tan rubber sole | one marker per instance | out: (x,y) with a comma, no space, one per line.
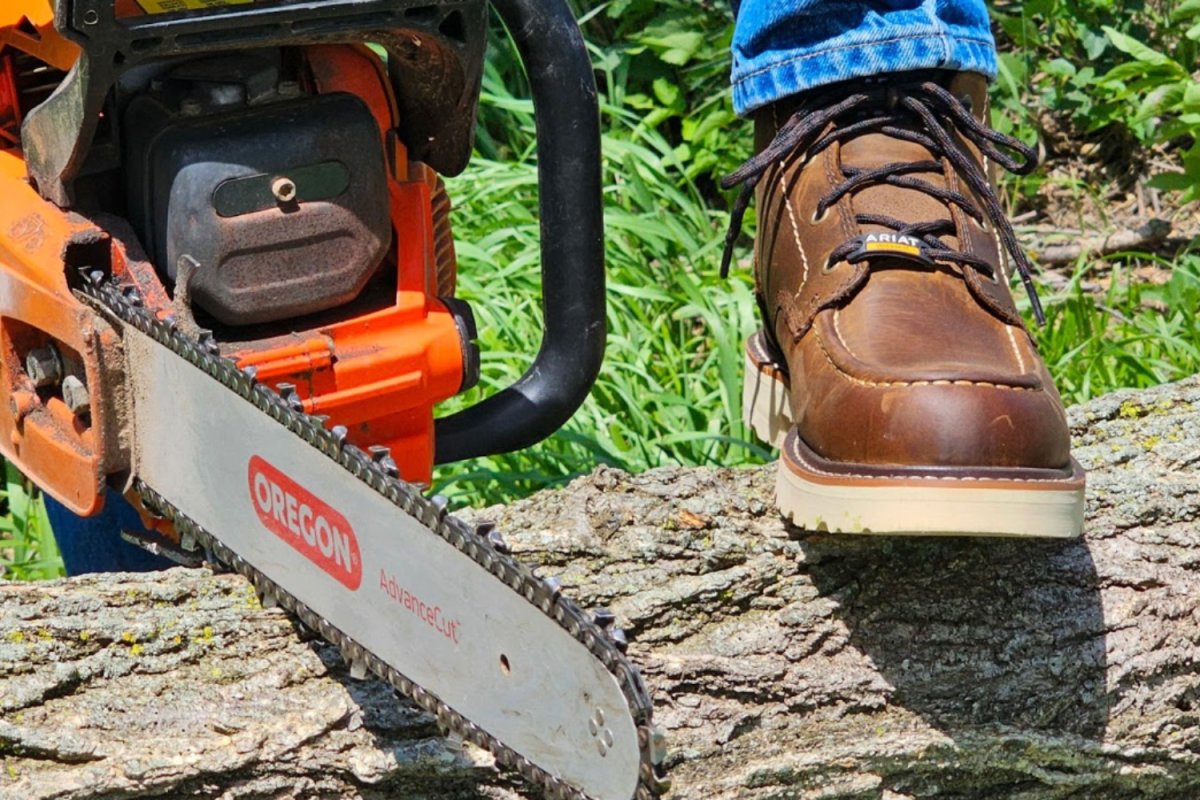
(818,496)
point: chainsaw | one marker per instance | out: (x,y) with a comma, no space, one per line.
(227,290)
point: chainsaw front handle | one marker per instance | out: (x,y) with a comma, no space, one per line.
(572,234)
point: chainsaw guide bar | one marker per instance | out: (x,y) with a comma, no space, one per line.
(304,530)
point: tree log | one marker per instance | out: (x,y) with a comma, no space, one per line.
(783,663)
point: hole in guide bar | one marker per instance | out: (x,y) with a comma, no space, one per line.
(505,667)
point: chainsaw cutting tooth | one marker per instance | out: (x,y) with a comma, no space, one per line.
(618,637)
(206,341)
(187,542)
(355,659)
(553,585)
(93,276)
(604,618)
(497,541)
(487,529)
(340,434)
(440,505)
(288,392)
(132,295)
(383,457)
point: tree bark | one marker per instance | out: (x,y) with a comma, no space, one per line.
(783,663)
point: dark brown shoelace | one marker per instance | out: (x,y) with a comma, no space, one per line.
(893,109)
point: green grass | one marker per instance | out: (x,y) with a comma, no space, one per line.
(27,549)
(1134,335)
(670,388)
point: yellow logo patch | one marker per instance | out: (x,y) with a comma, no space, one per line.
(892,247)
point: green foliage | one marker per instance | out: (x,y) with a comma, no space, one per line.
(1135,335)
(27,549)
(1108,67)
(1166,94)
(664,65)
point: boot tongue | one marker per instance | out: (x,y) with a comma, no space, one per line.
(875,150)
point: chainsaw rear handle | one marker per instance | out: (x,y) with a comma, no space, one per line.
(572,234)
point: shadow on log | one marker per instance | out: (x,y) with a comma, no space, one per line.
(784,664)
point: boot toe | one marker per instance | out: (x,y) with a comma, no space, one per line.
(929,421)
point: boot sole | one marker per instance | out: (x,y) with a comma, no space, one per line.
(819,495)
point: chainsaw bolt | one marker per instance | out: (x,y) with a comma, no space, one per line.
(75,395)
(191,107)
(284,190)
(44,366)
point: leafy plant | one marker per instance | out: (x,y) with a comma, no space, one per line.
(1166,93)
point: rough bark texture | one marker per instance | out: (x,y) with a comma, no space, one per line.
(784,664)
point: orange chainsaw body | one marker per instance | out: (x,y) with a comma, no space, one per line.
(377,366)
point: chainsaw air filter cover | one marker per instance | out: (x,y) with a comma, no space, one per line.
(276,206)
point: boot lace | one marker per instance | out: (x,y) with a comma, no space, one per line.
(937,114)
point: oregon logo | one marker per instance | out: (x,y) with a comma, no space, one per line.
(305,522)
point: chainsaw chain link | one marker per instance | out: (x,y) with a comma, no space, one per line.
(125,304)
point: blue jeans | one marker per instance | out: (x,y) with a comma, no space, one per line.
(95,544)
(781,47)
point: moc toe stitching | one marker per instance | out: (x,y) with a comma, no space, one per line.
(842,372)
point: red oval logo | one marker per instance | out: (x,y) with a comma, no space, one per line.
(308,524)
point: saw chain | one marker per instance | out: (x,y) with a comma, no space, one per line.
(124,304)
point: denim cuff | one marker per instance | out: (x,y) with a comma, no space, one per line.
(755,87)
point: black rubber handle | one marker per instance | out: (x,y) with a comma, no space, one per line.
(572,230)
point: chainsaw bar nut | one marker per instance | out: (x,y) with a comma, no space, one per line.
(75,395)
(44,366)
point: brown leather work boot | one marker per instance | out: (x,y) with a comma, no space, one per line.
(894,371)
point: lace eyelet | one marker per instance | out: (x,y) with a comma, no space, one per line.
(829,267)
(816,219)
